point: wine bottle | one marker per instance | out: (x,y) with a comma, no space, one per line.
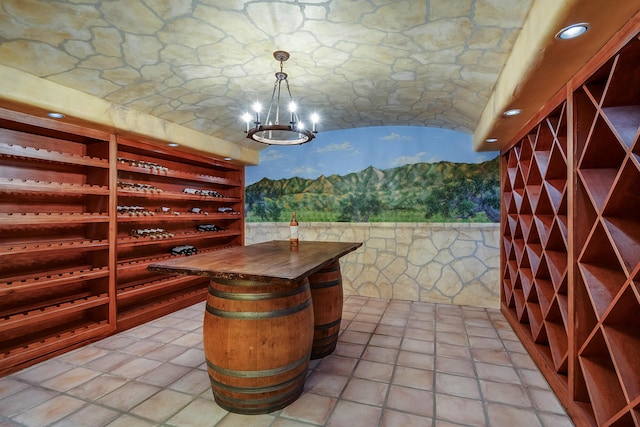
(293,230)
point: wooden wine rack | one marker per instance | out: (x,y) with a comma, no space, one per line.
(70,270)
(571,241)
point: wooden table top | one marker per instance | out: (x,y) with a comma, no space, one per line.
(266,261)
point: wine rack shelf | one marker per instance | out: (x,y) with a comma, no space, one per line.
(571,242)
(76,212)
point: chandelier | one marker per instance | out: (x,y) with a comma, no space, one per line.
(273,130)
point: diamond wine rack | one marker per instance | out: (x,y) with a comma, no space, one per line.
(571,243)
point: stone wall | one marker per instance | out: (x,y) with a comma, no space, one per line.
(448,263)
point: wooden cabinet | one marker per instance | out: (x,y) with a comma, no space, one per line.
(571,243)
(72,259)
(165,203)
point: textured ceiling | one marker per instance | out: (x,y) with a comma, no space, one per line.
(201,64)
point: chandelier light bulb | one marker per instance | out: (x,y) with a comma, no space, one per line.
(292,107)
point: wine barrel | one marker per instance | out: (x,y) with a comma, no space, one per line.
(257,343)
(326,292)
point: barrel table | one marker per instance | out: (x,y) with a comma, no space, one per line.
(269,310)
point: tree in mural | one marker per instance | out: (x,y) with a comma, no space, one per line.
(464,198)
(267,210)
(359,207)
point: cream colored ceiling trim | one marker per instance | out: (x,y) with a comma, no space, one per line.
(20,88)
(540,26)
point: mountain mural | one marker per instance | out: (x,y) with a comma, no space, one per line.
(418,192)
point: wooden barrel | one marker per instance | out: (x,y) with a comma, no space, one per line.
(326,292)
(257,343)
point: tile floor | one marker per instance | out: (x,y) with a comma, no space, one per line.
(397,364)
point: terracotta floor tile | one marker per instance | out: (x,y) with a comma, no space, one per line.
(394,331)
(411,400)
(552,420)
(478,331)
(546,401)
(450,350)
(9,386)
(510,394)
(128,396)
(509,416)
(89,416)
(416,360)
(400,419)
(50,411)
(354,415)
(533,378)
(490,355)
(198,413)
(453,338)
(491,372)
(24,400)
(348,349)
(192,358)
(457,385)
(166,352)
(109,361)
(190,339)
(365,391)
(361,326)
(83,355)
(164,374)
(136,367)
(355,337)
(411,377)
(385,341)
(455,366)
(70,379)
(420,334)
(162,405)
(485,342)
(43,371)
(130,421)
(418,346)
(380,354)
(310,408)
(337,365)
(374,371)
(393,321)
(460,410)
(195,382)
(325,384)
(98,387)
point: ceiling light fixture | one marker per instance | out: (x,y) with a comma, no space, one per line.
(55,115)
(491,140)
(512,112)
(572,31)
(272,130)
(173,144)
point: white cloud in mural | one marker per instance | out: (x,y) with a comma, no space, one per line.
(406,160)
(396,137)
(345,146)
(304,171)
(271,156)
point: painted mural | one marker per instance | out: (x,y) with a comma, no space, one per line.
(376,174)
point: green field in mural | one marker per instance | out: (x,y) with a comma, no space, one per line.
(418,192)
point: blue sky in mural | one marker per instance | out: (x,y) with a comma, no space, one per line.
(344,151)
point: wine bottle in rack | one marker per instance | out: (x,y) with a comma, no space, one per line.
(184,250)
(293,231)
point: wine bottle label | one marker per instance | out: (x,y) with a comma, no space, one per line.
(294,232)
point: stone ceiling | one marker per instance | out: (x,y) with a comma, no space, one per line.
(202,63)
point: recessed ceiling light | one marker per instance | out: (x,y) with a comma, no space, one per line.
(572,31)
(512,112)
(54,115)
(491,140)
(228,158)
(173,144)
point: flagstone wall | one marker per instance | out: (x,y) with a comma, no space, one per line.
(448,263)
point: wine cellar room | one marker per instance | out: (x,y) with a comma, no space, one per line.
(124,153)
